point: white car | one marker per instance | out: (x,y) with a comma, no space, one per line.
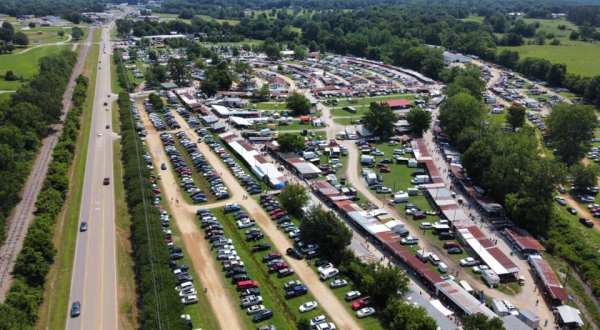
(351,295)
(364,312)
(425,225)
(308,306)
(99,134)
(255,309)
(317,320)
(191,299)
(480,268)
(469,261)
(325,326)
(338,283)
(409,240)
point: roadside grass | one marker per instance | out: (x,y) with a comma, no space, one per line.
(127,292)
(53,312)
(24,65)
(4,97)
(285,311)
(202,314)
(114,80)
(346,121)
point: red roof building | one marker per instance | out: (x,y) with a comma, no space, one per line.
(397,104)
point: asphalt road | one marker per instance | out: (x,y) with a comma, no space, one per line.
(93,281)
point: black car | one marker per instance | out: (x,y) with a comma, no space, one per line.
(75,309)
(262,315)
(586,222)
(261,247)
(83,226)
(294,253)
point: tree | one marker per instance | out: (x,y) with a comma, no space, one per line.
(10,76)
(262,94)
(299,52)
(481,322)
(178,70)
(303,324)
(209,87)
(293,198)
(379,120)
(7,32)
(515,116)
(380,281)
(156,101)
(556,74)
(584,176)
(76,33)
(298,103)
(400,315)
(570,130)
(21,39)
(508,58)
(290,142)
(459,113)
(271,49)
(325,229)
(419,120)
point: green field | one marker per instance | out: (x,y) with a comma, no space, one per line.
(580,57)
(362,104)
(25,64)
(44,35)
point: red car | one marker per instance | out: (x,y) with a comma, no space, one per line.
(278,266)
(361,302)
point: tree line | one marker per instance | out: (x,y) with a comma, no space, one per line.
(158,303)
(9,38)
(24,122)
(20,309)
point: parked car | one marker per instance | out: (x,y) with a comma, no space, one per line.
(586,222)
(351,295)
(364,312)
(262,315)
(360,303)
(308,306)
(338,283)
(469,261)
(292,252)
(317,320)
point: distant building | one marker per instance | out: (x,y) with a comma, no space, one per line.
(399,104)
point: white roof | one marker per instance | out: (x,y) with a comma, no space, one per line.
(569,315)
(483,253)
(239,121)
(221,110)
(438,305)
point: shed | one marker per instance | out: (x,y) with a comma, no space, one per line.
(569,316)
(532,320)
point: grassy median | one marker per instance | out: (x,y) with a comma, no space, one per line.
(53,312)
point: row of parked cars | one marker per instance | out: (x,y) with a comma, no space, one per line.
(233,267)
(182,169)
(217,186)
(247,181)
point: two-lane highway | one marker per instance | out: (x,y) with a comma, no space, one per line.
(93,281)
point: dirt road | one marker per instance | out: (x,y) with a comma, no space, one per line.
(320,291)
(196,246)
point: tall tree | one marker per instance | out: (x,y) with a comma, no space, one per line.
(419,120)
(515,116)
(298,103)
(379,120)
(293,198)
(325,229)
(571,129)
(481,322)
(178,70)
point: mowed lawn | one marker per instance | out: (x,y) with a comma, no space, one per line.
(580,57)
(25,65)
(44,35)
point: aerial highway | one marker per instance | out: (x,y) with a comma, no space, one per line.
(93,283)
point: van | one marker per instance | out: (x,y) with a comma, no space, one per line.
(433,258)
(325,274)
(442,267)
(247,284)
